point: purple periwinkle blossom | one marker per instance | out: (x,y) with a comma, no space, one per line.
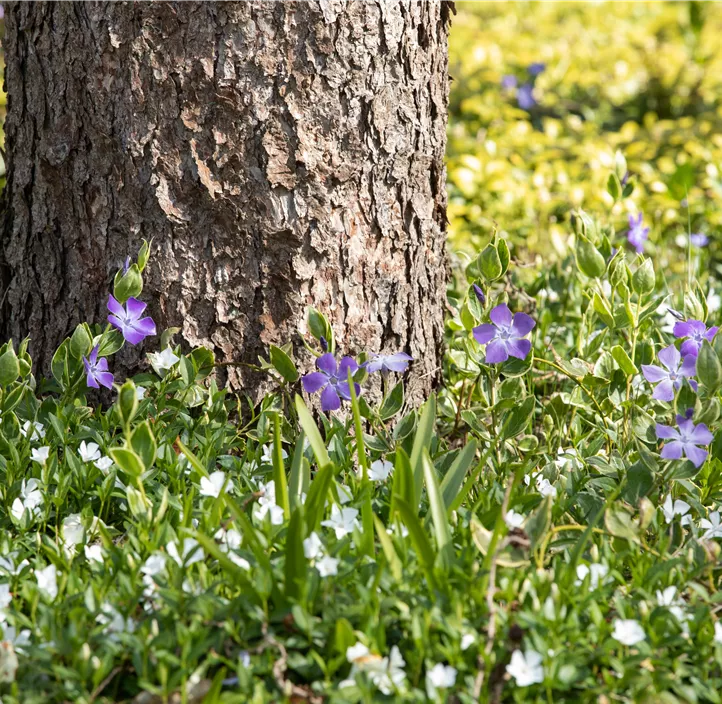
(637,233)
(536,68)
(126,266)
(508,82)
(134,328)
(324,343)
(696,333)
(386,363)
(96,370)
(699,239)
(684,441)
(671,377)
(479,294)
(504,338)
(625,179)
(331,380)
(525,96)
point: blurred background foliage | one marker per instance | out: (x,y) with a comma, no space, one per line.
(644,78)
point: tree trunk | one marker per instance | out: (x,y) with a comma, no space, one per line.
(280,155)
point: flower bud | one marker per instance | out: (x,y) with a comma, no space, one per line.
(590,262)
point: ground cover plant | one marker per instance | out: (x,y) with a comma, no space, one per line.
(545,528)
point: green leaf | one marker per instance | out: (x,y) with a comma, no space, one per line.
(317,494)
(128,284)
(128,461)
(143,443)
(283,364)
(127,402)
(403,480)
(623,360)
(143,255)
(538,524)
(311,430)
(81,341)
(393,402)
(320,327)
(619,523)
(517,419)
(279,471)
(9,366)
(421,542)
(454,477)
(388,548)
(296,563)
(709,369)
(195,462)
(438,512)
(203,361)
(422,441)
(614,187)
(602,310)
(489,263)
(643,280)
(589,260)
(295,481)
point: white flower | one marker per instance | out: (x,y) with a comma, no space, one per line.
(30,498)
(48,580)
(5,596)
(33,430)
(40,455)
(380,470)
(162,361)
(467,640)
(568,459)
(440,676)
(713,301)
(718,632)
(545,488)
(114,621)
(667,597)
(18,640)
(238,560)
(327,566)
(230,538)
(104,464)
(154,565)
(140,393)
(188,553)
(312,546)
(344,494)
(72,531)
(89,452)
(386,673)
(9,564)
(526,668)
(267,504)
(93,553)
(712,526)
(628,631)
(596,571)
(678,508)
(514,519)
(267,455)
(343,521)
(211,486)
(356,652)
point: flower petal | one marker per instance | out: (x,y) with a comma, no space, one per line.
(670,357)
(518,348)
(327,363)
(314,382)
(654,374)
(344,365)
(709,335)
(115,308)
(146,326)
(496,352)
(701,435)
(667,432)
(690,348)
(672,450)
(522,324)
(689,366)
(105,379)
(664,391)
(398,362)
(329,399)
(501,315)
(695,454)
(135,308)
(484,333)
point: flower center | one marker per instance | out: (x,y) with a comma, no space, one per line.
(504,333)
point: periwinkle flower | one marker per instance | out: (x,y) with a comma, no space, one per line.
(696,333)
(699,239)
(331,381)
(525,96)
(684,441)
(134,328)
(508,81)
(479,294)
(536,68)
(504,338)
(637,233)
(671,377)
(386,363)
(96,370)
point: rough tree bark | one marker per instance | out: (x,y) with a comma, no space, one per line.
(279,155)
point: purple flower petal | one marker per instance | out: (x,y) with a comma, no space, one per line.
(689,366)
(518,348)
(672,450)
(91,381)
(133,336)
(327,364)
(522,324)
(102,365)
(329,399)
(135,308)
(690,348)
(695,454)
(116,322)
(344,391)
(501,315)
(145,325)
(709,335)
(484,333)
(701,435)
(667,432)
(94,354)
(314,382)
(345,364)
(115,308)
(664,391)
(398,362)
(105,379)
(654,374)
(670,357)
(496,352)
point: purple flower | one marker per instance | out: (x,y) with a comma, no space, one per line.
(699,239)
(536,68)
(331,381)
(669,379)
(134,328)
(504,338)
(637,233)
(97,370)
(479,294)
(525,96)
(696,333)
(684,441)
(625,179)
(508,82)
(386,363)
(126,266)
